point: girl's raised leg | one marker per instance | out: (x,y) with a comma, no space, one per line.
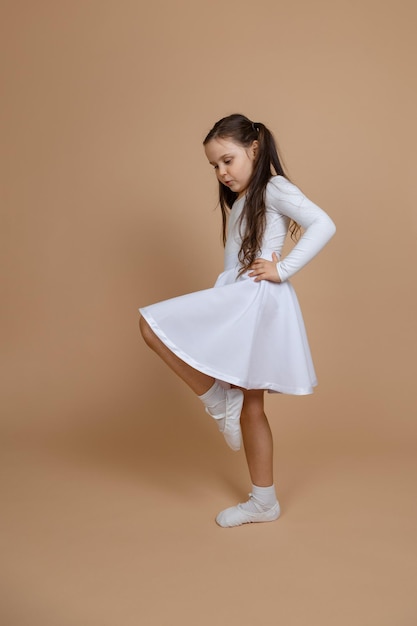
(223,405)
(262,505)
(200,383)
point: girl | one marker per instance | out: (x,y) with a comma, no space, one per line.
(246,335)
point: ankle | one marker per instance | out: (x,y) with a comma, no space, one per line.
(266,497)
(215,400)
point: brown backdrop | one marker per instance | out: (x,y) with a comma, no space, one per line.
(112,474)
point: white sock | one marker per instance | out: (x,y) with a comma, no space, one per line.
(215,401)
(264,497)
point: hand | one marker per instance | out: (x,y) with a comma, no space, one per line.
(265,270)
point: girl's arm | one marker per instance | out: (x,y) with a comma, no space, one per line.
(288,200)
(318,226)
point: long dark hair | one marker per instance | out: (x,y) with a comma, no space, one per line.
(267,163)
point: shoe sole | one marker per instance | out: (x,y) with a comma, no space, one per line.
(267,516)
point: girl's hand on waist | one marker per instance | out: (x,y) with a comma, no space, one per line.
(261,269)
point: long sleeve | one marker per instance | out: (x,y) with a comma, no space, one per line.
(285,198)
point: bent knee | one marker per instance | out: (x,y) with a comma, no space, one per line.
(146,332)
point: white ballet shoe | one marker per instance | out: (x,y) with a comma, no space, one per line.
(247,513)
(230,428)
(228,422)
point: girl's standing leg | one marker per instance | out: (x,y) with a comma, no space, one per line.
(257,438)
(263,505)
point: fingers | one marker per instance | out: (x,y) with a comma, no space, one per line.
(259,261)
(259,267)
(259,264)
(263,269)
(259,273)
(257,276)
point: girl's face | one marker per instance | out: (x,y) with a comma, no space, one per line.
(232,162)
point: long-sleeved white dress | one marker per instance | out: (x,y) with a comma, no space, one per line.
(246,333)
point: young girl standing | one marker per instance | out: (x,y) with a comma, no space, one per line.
(246,335)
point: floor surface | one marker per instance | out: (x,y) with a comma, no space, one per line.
(118,530)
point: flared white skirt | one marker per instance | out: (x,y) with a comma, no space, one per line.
(241,332)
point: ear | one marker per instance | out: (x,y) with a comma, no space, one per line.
(254,148)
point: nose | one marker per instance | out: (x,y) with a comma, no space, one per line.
(221,171)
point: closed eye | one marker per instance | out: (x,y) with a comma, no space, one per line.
(225,161)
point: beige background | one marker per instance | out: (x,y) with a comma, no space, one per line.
(112,475)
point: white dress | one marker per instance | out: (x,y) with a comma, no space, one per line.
(246,333)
